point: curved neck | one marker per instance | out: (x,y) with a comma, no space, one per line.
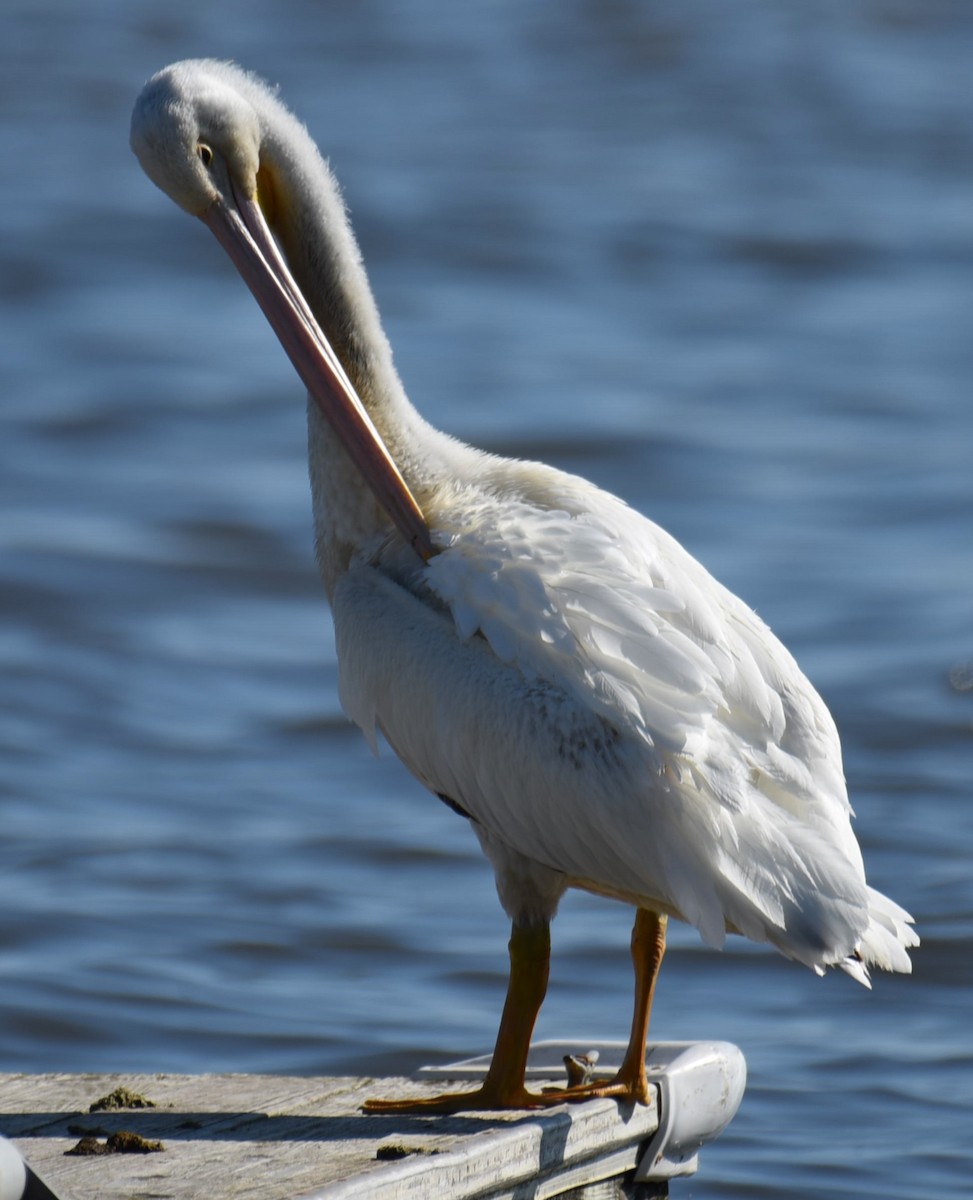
(302,203)
(303,207)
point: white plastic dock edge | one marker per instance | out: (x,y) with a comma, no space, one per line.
(13,1173)
(700,1087)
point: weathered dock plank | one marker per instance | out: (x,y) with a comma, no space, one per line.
(240,1137)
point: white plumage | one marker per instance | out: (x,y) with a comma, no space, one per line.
(550,662)
(575,680)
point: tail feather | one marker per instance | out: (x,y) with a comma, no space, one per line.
(886,941)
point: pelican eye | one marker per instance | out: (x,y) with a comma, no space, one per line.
(205,155)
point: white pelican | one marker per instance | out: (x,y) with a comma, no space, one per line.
(551,664)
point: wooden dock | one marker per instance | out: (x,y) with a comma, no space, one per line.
(240,1137)
(244,1137)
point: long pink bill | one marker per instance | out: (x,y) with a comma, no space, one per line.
(241,230)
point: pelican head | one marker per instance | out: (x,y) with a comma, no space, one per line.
(196,136)
(218,142)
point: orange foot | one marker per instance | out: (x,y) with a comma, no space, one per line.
(629,1091)
(482,1100)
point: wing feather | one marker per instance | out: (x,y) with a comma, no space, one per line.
(647,736)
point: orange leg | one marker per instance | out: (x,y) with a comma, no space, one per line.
(503,1086)
(630,1083)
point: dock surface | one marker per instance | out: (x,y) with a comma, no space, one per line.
(240,1137)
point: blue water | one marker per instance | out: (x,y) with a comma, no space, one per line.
(717,257)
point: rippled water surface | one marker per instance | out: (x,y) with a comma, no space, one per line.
(719,258)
